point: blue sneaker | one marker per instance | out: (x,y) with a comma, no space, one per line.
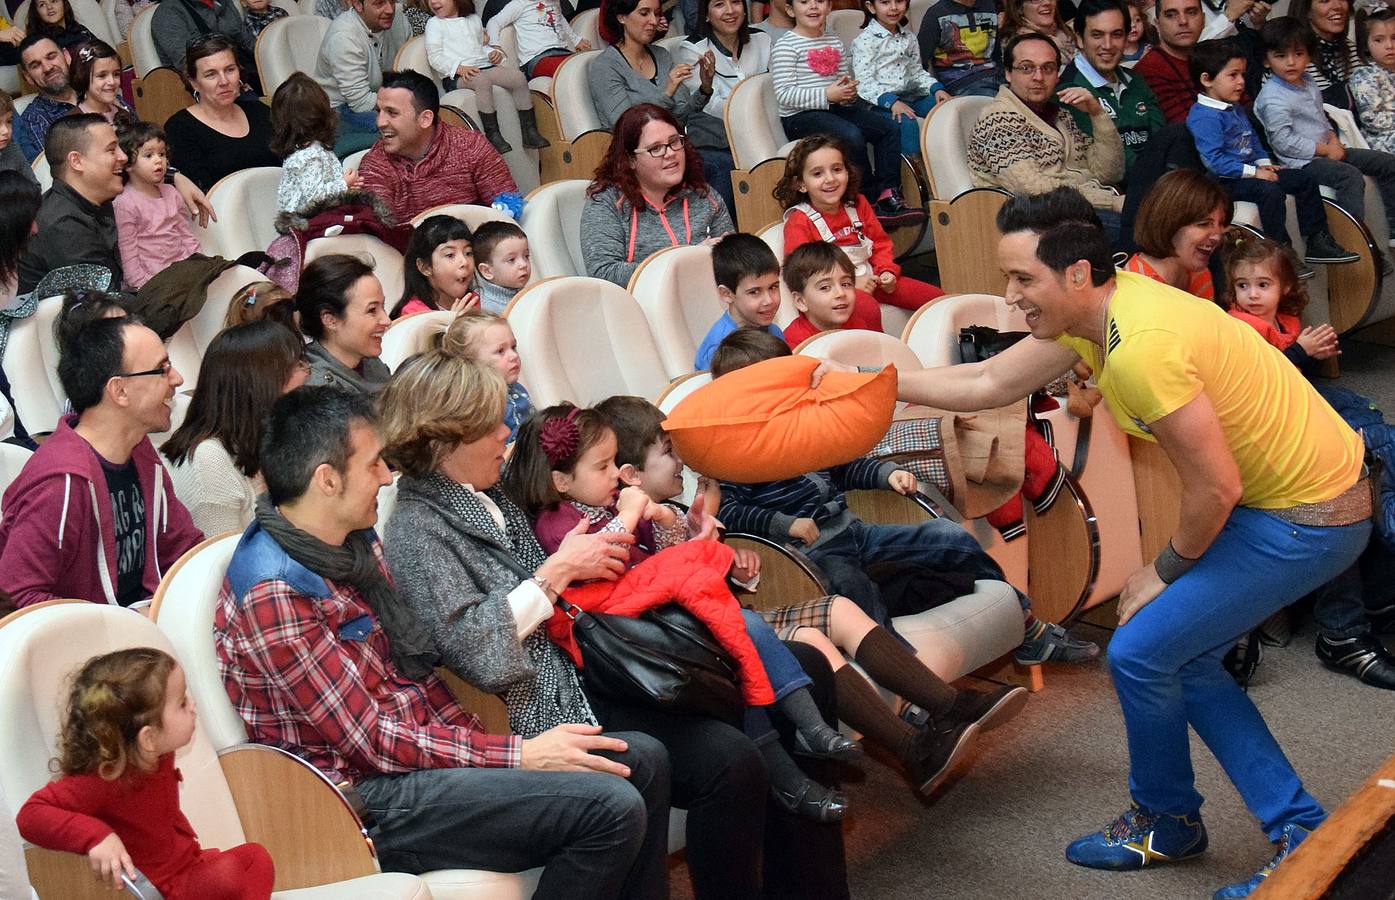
(1137,838)
(1288,841)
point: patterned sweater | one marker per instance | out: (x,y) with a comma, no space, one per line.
(1374,91)
(801,82)
(1013,148)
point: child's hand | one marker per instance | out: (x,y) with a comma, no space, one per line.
(661,514)
(1320,341)
(943,96)
(109,860)
(1332,148)
(633,500)
(805,530)
(710,492)
(866,283)
(469,301)
(745,565)
(1267,173)
(887,281)
(583,45)
(496,55)
(352,180)
(844,90)
(467,73)
(702,526)
(903,482)
(1234,9)
(901,109)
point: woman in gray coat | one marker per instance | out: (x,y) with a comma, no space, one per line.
(341,309)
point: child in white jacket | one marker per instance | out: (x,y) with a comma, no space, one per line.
(886,65)
(459,53)
(544,36)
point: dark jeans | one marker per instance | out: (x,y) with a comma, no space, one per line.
(1347,178)
(781,666)
(858,124)
(597,835)
(1270,197)
(716,168)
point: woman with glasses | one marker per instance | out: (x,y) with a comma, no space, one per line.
(648,194)
(213,455)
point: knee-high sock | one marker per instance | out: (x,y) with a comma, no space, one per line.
(862,707)
(897,669)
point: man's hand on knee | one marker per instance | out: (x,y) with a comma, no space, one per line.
(568,748)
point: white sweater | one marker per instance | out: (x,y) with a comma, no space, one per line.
(797,86)
(538,25)
(214,490)
(455,42)
(886,63)
(754,59)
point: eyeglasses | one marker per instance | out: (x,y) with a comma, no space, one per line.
(674,144)
(1047,68)
(162,369)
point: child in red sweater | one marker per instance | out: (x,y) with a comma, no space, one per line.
(819,193)
(118,798)
(820,280)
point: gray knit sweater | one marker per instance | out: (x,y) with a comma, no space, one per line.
(619,237)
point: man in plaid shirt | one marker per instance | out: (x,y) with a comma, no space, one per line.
(311,669)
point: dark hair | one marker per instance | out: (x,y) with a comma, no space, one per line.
(1244,246)
(463,8)
(307,428)
(301,115)
(744,347)
(608,22)
(133,135)
(1300,10)
(491,234)
(203,47)
(868,15)
(1022,37)
(425,94)
(808,260)
(704,27)
(84,60)
(19,204)
(638,425)
(243,372)
(1287,33)
(91,358)
(66,135)
(1209,57)
(1158,5)
(787,191)
(1068,230)
(1088,9)
(1176,200)
(527,477)
(81,307)
(324,288)
(739,255)
(30,39)
(617,167)
(426,237)
(35,25)
(1364,20)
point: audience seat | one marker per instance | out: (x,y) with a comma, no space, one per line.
(42,171)
(411,56)
(387,262)
(522,162)
(678,294)
(7,420)
(847,24)
(353,160)
(552,220)
(35,385)
(91,14)
(246,205)
(411,335)
(916,14)
(144,57)
(472,214)
(758,148)
(190,342)
(587,25)
(109,13)
(288,45)
(11,83)
(247,793)
(12,459)
(559,323)
(679,388)
(581,140)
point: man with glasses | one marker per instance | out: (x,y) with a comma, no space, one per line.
(1100,27)
(1026,141)
(93,515)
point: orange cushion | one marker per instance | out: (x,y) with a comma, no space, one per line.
(764,423)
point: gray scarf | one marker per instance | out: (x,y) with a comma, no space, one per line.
(354,563)
(369,382)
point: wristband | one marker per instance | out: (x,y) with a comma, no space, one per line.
(1171,565)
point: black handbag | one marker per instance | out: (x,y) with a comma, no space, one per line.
(979,342)
(666,659)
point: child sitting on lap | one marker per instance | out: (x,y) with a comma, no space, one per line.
(820,278)
(503,263)
(152,227)
(748,283)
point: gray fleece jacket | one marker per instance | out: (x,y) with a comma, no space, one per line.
(619,237)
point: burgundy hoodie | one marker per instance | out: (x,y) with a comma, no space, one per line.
(56,509)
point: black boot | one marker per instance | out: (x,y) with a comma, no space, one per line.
(532,137)
(490,121)
(1363,657)
(941,748)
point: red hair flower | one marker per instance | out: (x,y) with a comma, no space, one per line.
(560,437)
(825,60)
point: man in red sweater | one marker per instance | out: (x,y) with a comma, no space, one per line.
(419,162)
(1164,67)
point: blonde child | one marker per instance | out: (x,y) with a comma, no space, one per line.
(463,57)
(117,800)
(260,13)
(262,300)
(487,340)
(816,94)
(543,35)
(886,64)
(152,226)
(819,195)
(563,471)
(303,127)
(1373,83)
(503,262)
(438,268)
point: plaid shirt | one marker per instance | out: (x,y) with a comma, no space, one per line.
(313,675)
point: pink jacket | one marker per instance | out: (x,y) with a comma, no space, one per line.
(57,514)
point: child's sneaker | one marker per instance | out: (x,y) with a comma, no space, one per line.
(1046,641)
(1288,841)
(1138,838)
(1322,249)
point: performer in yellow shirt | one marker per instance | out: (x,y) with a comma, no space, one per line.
(1275,502)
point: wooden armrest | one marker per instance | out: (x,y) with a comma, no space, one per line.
(160,94)
(302,820)
(490,709)
(890,508)
(54,873)
(786,575)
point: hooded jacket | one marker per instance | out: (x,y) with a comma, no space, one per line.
(58,513)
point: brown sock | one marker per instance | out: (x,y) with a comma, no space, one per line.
(863,708)
(898,670)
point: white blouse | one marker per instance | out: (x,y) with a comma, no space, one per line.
(455,42)
(754,59)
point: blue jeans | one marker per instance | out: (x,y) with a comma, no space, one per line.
(716,168)
(1166,664)
(785,672)
(909,126)
(858,124)
(349,120)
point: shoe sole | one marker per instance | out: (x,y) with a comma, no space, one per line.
(955,758)
(1004,711)
(1349,673)
(841,755)
(1331,260)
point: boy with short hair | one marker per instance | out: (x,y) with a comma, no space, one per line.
(503,263)
(822,281)
(812,511)
(11,157)
(748,283)
(1290,108)
(260,13)
(1232,152)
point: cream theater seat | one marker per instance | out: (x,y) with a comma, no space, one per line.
(411,335)
(472,214)
(289,45)
(676,291)
(246,205)
(552,220)
(583,139)
(190,342)
(387,262)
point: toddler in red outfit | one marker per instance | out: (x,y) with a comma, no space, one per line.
(118,798)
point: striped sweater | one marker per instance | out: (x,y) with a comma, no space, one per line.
(771,507)
(800,86)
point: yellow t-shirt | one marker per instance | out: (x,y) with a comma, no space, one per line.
(1164,347)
